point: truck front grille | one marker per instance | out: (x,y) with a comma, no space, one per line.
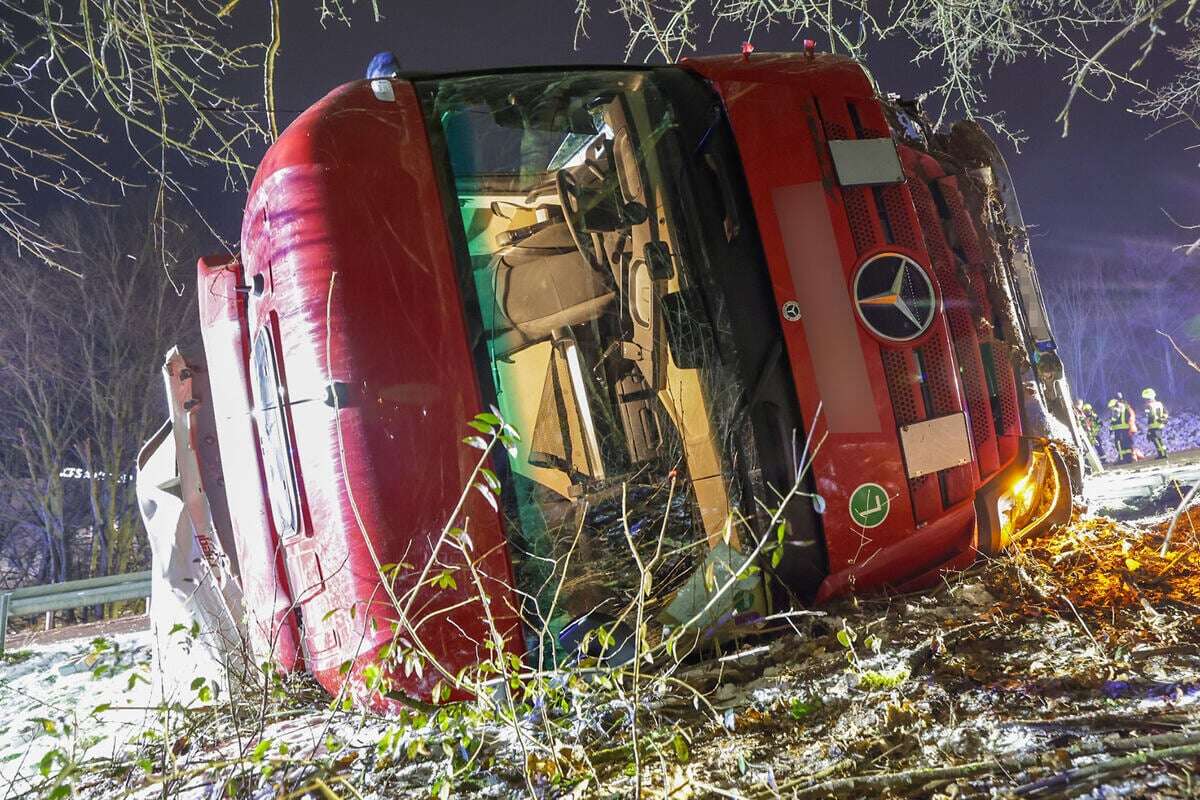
(978,264)
(959,316)
(921,380)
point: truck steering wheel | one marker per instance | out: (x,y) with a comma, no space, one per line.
(569,196)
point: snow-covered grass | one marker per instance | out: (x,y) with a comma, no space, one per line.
(87,719)
(71,701)
(989,667)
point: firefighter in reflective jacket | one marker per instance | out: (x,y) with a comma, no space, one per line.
(1156,420)
(1089,421)
(1122,422)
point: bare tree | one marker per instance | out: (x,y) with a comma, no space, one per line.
(155,80)
(79,382)
(41,411)
(75,78)
(1107,313)
(1070,300)
(1098,46)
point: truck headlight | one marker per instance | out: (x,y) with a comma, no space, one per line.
(1024,504)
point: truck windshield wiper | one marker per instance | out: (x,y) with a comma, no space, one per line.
(720,171)
(728,202)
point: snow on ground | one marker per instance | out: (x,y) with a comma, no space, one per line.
(94,700)
(54,697)
(1144,489)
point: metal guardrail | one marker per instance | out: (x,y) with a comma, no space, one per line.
(71,594)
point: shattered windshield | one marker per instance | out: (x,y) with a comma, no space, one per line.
(600,334)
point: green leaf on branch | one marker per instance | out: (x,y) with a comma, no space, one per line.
(487,495)
(260,751)
(490,478)
(682,752)
(444,580)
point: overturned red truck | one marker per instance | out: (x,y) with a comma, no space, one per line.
(694,291)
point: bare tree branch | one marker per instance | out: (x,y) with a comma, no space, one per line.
(966,40)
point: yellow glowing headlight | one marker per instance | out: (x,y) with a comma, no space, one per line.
(1018,508)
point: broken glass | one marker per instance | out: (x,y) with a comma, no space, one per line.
(607,345)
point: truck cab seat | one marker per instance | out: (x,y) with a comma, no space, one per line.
(543,284)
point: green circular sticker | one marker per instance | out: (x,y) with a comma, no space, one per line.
(869,505)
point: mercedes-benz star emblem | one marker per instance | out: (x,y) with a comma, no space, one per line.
(894,297)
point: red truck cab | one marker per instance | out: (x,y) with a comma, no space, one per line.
(749,320)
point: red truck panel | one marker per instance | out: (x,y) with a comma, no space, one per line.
(271,621)
(978,255)
(920,169)
(783,109)
(346,233)
(349,269)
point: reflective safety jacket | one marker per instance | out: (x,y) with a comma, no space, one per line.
(1118,420)
(1156,415)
